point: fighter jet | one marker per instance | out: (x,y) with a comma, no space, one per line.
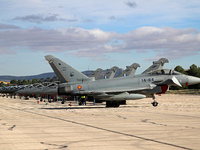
(39,90)
(109,74)
(9,90)
(97,73)
(116,89)
(28,89)
(130,70)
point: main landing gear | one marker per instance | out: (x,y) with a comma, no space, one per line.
(154,103)
(112,103)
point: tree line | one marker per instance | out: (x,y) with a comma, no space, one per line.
(193,71)
(15,82)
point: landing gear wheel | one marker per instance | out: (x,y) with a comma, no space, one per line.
(154,103)
(112,104)
(115,104)
(108,104)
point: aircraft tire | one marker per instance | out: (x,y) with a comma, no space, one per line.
(154,104)
(116,103)
(108,104)
(112,104)
(123,102)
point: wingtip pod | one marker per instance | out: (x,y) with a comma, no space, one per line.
(49,57)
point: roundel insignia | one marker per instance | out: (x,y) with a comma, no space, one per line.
(71,74)
(79,87)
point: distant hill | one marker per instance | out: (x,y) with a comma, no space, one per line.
(7,78)
(40,76)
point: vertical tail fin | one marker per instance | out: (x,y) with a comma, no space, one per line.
(64,72)
(157,65)
(129,71)
(110,73)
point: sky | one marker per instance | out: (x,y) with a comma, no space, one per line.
(90,34)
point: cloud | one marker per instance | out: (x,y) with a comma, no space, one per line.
(165,42)
(130,4)
(72,20)
(40,18)
(112,18)
(38,39)
(7,26)
(88,20)
(154,12)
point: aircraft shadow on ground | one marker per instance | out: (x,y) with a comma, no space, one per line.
(89,107)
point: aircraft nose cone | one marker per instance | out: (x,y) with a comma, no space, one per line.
(193,80)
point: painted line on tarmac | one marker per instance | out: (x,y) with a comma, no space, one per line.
(99,128)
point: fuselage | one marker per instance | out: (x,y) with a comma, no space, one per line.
(147,83)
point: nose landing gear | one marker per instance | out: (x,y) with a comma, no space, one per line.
(154,103)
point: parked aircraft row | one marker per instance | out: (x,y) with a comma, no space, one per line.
(108,87)
(154,80)
(34,90)
(39,88)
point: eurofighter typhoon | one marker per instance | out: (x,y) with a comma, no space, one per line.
(150,82)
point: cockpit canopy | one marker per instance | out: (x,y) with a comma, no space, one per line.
(164,72)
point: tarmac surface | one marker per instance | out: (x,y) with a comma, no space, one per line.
(173,125)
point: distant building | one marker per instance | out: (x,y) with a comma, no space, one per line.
(5,82)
